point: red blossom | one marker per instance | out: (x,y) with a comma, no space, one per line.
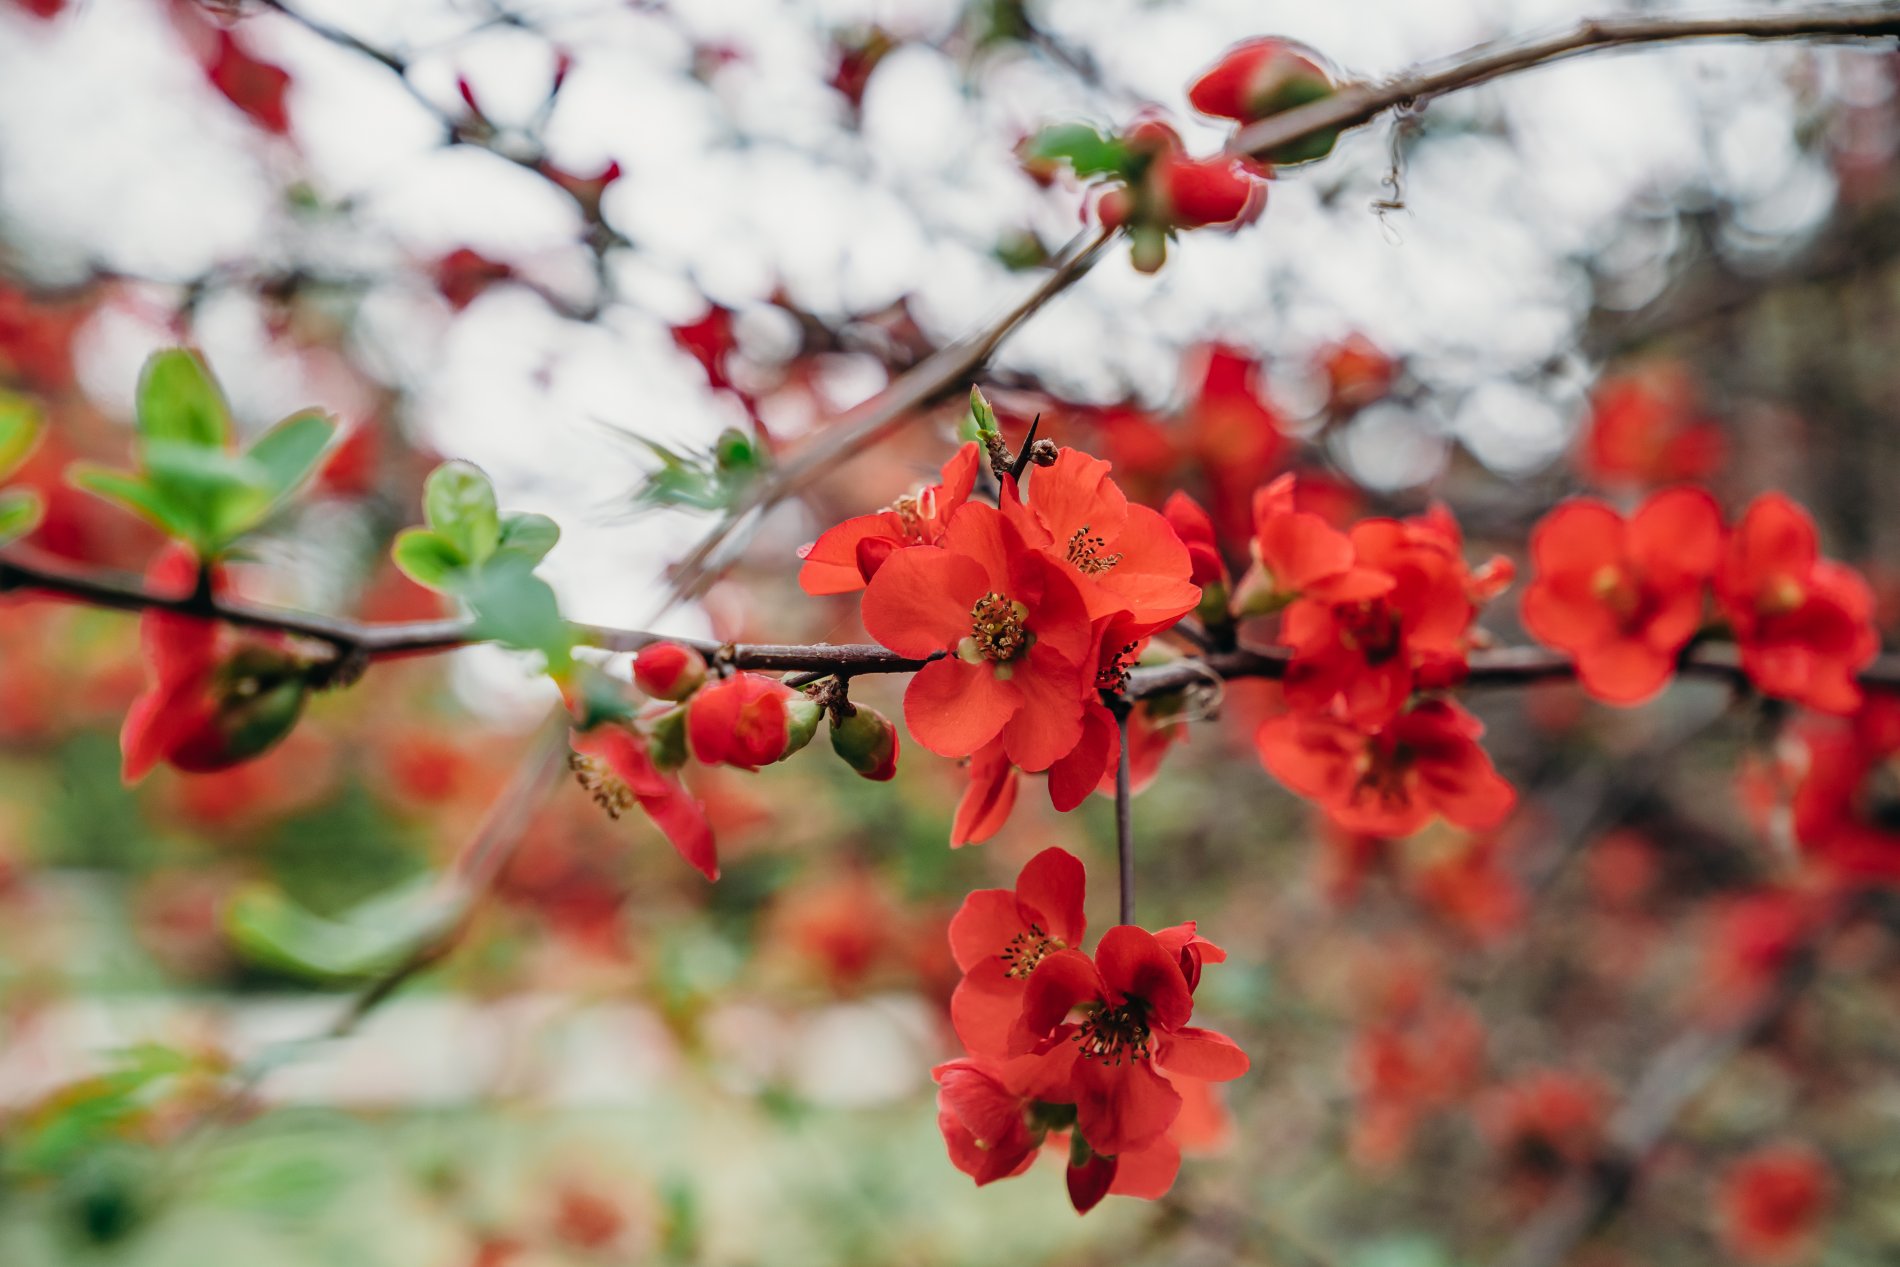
(615,764)
(1841,806)
(1426,762)
(1771,1203)
(251,84)
(1132,1002)
(999,936)
(1543,1125)
(1016,632)
(846,557)
(1623,597)
(1804,623)
(1296,553)
(710,341)
(1357,373)
(1645,429)
(1370,653)
(1233,432)
(464,273)
(1124,558)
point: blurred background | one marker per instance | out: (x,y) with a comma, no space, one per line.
(574,242)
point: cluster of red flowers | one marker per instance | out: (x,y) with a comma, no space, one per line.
(1091,1053)
(1625,596)
(1377,621)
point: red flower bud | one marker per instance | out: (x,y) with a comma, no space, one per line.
(1264,77)
(868,743)
(669,671)
(749,721)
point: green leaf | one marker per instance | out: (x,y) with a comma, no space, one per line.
(980,411)
(269,928)
(518,609)
(459,503)
(221,494)
(179,402)
(428,559)
(19,514)
(528,535)
(291,451)
(131,492)
(1082,147)
(19,430)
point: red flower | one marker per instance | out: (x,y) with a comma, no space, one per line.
(1357,373)
(1842,810)
(1772,1201)
(668,670)
(748,721)
(1296,552)
(1135,1002)
(1545,1124)
(846,557)
(1371,653)
(215,697)
(615,765)
(1206,568)
(987,798)
(709,341)
(1623,597)
(1172,191)
(1124,558)
(1645,428)
(1391,782)
(1804,624)
(1016,630)
(1235,434)
(999,936)
(993,1127)
(1470,888)
(253,86)
(464,273)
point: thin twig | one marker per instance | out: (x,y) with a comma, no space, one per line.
(1494,667)
(1125,820)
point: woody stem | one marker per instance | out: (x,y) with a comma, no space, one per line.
(1125,819)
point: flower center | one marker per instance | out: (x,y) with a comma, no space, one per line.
(1372,629)
(1087,553)
(1383,775)
(996,630)
(1026,950)
(1113,674)
(606,787)
(1114,1034)
(1614,589)
(1781,596)
(914,511)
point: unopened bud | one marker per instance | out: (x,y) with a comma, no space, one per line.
(669,671)
(801,723)
(868,743)
(666,738)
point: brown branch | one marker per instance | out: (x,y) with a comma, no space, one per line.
(1361,103)
(1496,667)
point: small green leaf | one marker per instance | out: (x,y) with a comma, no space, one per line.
(459,503)
(528,535)
(428,559)
(222,494)
(267,927)
(518,609)
(19,514)
(19,430)
(179,402)
(291,451)
(985,416)
(1082,147)
(131,492)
